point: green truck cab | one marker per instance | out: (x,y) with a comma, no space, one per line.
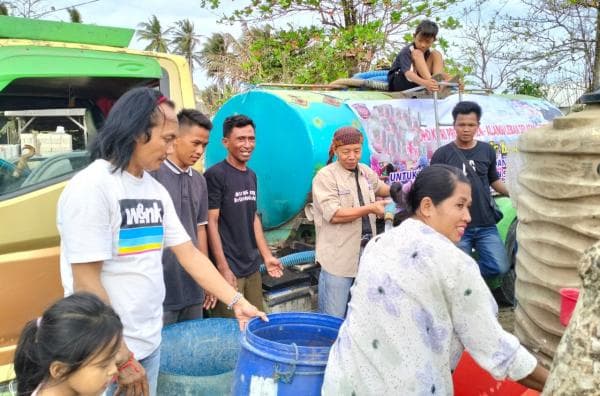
(57,81)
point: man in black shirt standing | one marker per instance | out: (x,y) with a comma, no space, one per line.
(235,233)
(481,234)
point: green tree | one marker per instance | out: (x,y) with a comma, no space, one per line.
(3,9)
(306,55)
(214,97)
(220,57)
(263,54)
(186,42)
(74,15)
(363,29)
(152,31)
(526,86)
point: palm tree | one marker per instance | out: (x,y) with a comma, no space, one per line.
(216,57)
(186,42)
(229,61)
(152,31)
(74,15)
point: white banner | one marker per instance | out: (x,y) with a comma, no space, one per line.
(402,134)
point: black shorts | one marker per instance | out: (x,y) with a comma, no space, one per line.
(398,82)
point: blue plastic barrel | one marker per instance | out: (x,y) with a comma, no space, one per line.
(197,357)
(285,356)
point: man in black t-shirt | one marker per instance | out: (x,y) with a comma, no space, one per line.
(235,233)
(481,234)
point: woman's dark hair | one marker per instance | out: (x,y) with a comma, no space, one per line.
(236,121)
(436,182)
(191,117)
(132,116)
(73,331)
(466,107)
(427,29)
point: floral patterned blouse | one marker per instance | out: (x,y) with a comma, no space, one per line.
(417,302)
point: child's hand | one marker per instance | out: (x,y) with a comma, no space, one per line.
(132,379)
(432,85)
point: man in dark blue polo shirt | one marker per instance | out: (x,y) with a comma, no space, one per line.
(184,299)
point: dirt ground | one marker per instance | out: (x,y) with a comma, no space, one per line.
(506,317)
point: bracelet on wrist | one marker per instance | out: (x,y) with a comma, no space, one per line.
(128,363)
(238,296)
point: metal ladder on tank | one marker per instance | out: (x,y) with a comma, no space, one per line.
(435,105)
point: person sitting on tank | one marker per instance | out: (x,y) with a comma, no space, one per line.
(419,65)
(419,301)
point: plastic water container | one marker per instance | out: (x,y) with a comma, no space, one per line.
(471,380)
(197,357)
(285,356)
(568,301)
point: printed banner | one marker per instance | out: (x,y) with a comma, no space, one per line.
(402,134)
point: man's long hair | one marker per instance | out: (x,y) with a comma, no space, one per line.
(132,117)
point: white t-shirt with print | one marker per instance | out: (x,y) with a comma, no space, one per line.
(123,221)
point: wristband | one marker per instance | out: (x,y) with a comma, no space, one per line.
(128,363)
(238,296)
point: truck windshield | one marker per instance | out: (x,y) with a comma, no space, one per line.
(41,146)
(47,124)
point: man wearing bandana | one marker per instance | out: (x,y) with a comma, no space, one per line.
(344,213)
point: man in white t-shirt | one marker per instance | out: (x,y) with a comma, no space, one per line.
(114,220)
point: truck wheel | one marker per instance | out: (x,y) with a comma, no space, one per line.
(506,293)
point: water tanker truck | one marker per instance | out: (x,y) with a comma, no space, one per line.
(294,129)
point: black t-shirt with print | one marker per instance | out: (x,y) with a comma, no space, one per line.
(233,192)
(483,157)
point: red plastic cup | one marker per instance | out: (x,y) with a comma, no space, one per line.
(568,300)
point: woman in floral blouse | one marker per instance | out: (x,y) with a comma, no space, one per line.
(418,301)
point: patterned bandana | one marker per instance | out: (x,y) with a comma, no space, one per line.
(344,136)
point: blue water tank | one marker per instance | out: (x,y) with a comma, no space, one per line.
(293,134)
